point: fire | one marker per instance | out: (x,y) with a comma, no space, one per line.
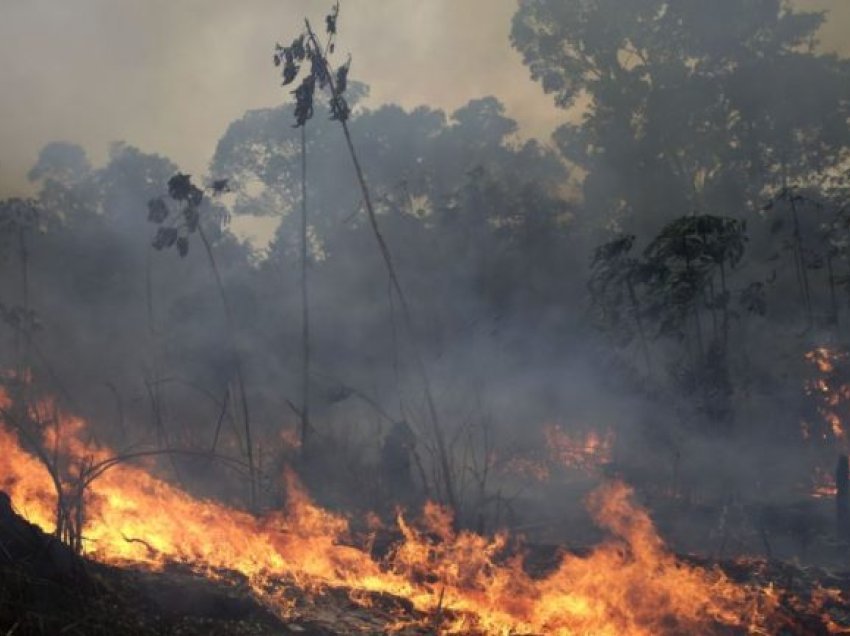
(823,484)
(824,359)
(830,389)
(582,452)
(629,585)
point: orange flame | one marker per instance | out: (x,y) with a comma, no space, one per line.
(830,392)
(631,585)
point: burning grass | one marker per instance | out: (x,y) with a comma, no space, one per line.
(434,578)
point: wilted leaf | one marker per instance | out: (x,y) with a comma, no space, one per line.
(290,72)
(342,77)
(339,108)
(297,49)
(181,188)
(331,18)
(165,237)
(319,69)
(304,100)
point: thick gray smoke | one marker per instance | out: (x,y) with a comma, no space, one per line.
(645,286)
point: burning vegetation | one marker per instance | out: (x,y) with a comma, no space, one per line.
(454,581)
(830,389)
(495,428)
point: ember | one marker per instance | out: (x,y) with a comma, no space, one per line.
(583,452)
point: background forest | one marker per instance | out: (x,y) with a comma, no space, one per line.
(662,275)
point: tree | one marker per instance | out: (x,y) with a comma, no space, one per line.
(472,217)
(680,289)
(687,106)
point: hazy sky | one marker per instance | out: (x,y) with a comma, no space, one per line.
(169,75)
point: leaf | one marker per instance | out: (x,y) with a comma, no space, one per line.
(290,72)
(181,188)
(331,19)
(319,69)
(340,110)
(298,50)
(304,100)
(165,237)
(342,77)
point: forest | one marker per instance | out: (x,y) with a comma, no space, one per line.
(622,352)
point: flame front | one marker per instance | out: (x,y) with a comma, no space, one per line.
(631,585)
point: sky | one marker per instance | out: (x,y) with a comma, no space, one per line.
(168,76)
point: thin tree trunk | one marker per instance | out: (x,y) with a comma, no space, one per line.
(833,300)
(801,262)
(639,321)
(222,414)
(695,303)
(305,306)
(25,324)
(240,379)
(408,319)
(405,306)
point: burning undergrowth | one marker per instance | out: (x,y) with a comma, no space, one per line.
(824,430)
(431,577)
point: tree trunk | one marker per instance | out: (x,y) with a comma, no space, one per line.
(240,379)
(436,426)
(305,307)
(801,262)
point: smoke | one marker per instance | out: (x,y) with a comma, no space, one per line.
(491,245)
(169,77)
